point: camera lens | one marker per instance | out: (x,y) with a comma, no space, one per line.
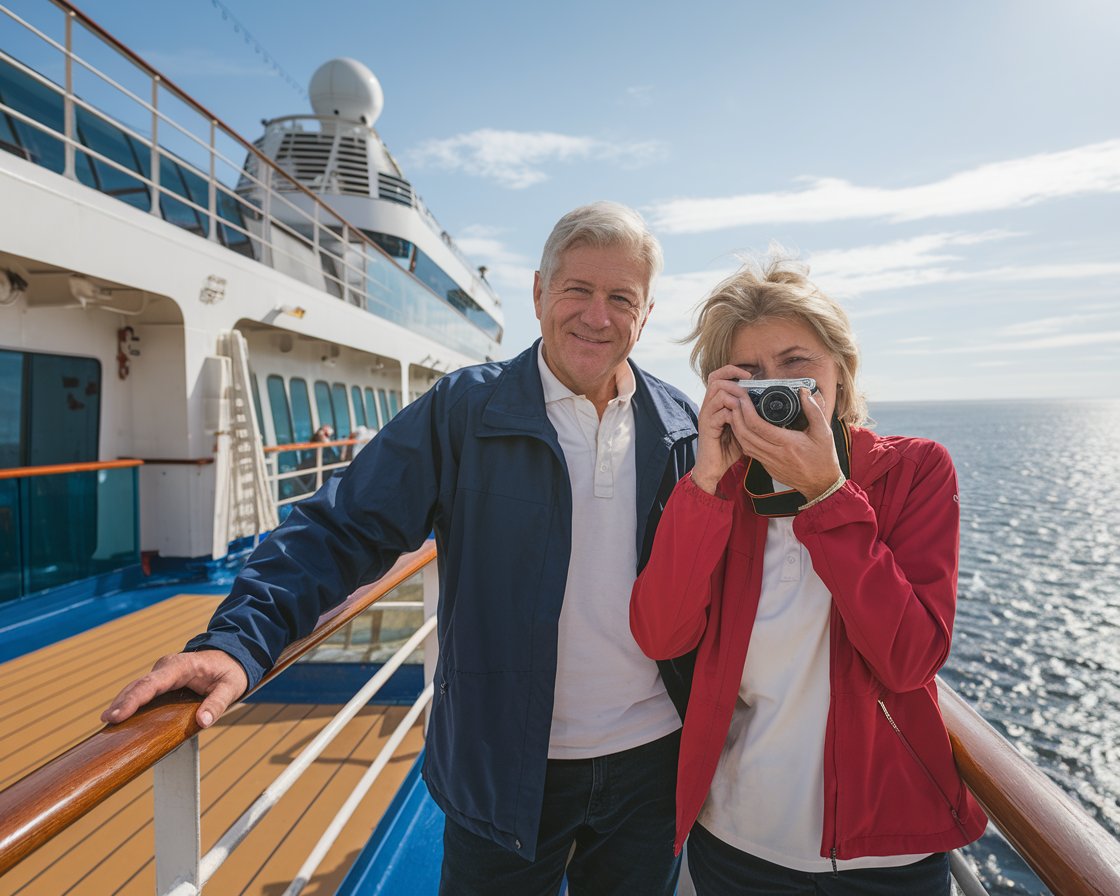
(778,406)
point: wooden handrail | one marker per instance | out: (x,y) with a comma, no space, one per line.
(56,469)
(304,446)
(49,799)
(1069,851)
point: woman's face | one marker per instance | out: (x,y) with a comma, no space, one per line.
(780,349)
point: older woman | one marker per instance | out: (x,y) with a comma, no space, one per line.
(814,572)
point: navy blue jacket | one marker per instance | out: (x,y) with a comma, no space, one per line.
(477,461)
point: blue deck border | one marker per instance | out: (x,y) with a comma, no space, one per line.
(405,851)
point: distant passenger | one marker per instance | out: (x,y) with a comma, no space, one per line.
(324,433)
(553,739)
(814,572)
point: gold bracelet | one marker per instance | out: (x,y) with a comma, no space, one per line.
(831,490)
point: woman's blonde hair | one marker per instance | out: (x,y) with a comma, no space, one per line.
(777,286)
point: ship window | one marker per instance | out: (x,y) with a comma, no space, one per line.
(359,408)
(40,104)
(394,402)
(383,402)
(371,409)
(112,143)
(174,211)
(257,403)
(394,246)
(341,411)
(433,276)
(301,409)
(323,405)
(281,417)
(50,407)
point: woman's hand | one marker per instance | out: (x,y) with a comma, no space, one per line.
(803,460)
(715,451)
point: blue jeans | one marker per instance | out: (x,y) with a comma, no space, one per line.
(614,816)
(719,869)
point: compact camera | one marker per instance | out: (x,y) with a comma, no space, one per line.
(778,402)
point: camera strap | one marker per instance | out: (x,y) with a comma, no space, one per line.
(759,485)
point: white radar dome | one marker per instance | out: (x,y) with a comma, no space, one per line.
(346,88)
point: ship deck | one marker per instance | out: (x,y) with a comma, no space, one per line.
(52,699)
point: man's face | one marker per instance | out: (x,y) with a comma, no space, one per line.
(591,315)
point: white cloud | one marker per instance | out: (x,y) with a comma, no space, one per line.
(1013,183)
(505,268)
(1045,326)
(516,159)
(1064,340)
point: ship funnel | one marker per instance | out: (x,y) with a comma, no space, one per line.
(346,88)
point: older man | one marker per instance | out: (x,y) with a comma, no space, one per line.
(552,741)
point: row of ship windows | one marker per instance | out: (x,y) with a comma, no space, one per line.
(291,408)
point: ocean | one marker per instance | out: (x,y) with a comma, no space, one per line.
(1036,645)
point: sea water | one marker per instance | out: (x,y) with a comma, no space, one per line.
(1036,645)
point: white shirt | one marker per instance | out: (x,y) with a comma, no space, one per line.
(767,796)
(609,695)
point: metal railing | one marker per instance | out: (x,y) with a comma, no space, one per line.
(1070,852)
(272,216)
(164,735)
(299,469)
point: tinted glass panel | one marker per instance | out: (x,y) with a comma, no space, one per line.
(11,413)
(371,409)
(281,418)
(112,143)
(428,272)
(341,411)
(383,402)
(394,402)
(301,410)
(63,406)
(37,102)
(359,408)
(323,404)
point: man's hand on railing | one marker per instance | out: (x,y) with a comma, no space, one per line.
(209,673)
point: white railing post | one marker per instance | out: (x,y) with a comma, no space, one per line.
(69,128)
(212,196)
(430,578)
(155,160)
(178,826)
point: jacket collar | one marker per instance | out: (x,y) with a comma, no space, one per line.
(517,403)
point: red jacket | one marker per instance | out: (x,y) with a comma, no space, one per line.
(886,547)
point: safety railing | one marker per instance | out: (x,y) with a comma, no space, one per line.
(164,736)
(66,522)
(1069,851)
(121,127)
(299,469)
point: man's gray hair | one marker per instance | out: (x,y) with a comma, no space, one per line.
(603,224)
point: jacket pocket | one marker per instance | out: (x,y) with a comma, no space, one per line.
(925,769)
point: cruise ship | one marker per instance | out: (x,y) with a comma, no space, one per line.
(195,329)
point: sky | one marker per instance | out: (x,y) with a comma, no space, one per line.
(950,172)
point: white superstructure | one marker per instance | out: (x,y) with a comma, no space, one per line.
(103,261)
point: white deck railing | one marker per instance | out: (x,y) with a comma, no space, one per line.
(181,873)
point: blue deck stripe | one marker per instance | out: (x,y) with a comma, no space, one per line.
(404,854)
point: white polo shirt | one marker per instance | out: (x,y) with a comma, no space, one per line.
(609,695)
